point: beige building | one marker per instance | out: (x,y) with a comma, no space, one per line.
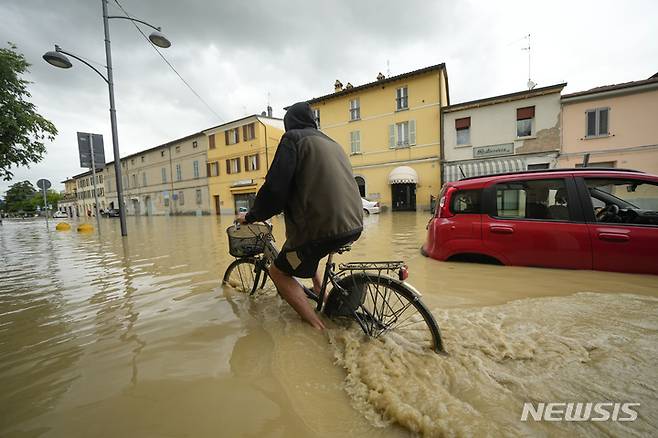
(69,201)
(511,132)
(239,154)
(169,179)
(615,124)
(78,200)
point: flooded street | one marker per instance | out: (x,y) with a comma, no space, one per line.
(139,339)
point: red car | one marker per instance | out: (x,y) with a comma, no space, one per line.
(587,218)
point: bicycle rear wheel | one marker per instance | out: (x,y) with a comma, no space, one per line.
(388,306)
(244,275)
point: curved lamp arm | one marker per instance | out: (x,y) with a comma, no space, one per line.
(59,49)
(135,19)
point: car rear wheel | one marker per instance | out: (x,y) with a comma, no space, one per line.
(366,212)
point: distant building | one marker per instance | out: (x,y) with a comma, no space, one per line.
(511,132)
(616,124)
(81,188)
(239,155)
(169,179)
(69,201)
(390,128)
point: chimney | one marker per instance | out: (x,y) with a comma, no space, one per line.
(269,111)
(380,77)
(348,86)
(338,86)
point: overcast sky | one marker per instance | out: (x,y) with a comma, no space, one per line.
(234,53)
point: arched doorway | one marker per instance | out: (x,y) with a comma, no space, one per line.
(361,182)
(403,181)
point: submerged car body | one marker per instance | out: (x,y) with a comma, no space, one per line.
(603,219)
(370,207)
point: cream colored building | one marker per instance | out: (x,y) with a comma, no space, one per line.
(69,201)
(390,128)
(617,125)
(169,179)
(511,132)
(239,154)
(79,198)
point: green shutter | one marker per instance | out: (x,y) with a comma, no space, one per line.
(412,132)
(391,136)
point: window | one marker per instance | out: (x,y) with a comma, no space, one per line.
(166,201)
(402,98)
(544,199)
(212,169)
(181,198)
(463,128)
(179,173)
(597,122)
(252,162)
(132,161)
(198,197)
(355,109)
(162,153)
(134,180)
(524,120)
(163,171)
(402,134)
(249,131)
(232,136)
(538,166)
(355,142)
(211,141)
(624,201)
(177,149)
(316,116)
(144,179)
(610,164)
(195,166)
(466,202)
(195,144)
(233,166)
(142,157)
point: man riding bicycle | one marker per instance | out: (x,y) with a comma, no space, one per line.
(311,182)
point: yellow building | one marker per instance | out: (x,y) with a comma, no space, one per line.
(391,130)
(239,154)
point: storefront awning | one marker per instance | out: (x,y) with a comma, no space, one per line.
(471,168)
(403,175)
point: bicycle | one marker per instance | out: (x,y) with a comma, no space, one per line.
(365,292)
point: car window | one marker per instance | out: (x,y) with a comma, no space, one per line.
(617,200)
(466,202)
(545,199)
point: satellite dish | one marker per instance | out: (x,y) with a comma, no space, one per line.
(531,84)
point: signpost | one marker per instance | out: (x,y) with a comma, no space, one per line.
(44,185)
(92,153)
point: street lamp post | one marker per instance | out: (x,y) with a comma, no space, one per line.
(58,59)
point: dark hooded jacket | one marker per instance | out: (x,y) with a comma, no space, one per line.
(311,181)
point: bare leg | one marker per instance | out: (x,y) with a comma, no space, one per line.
(292,292)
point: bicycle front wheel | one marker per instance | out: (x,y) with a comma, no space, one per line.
(388,306)
(244,275)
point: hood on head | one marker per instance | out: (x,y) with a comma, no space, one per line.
(299,116)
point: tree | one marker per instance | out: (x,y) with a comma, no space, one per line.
(19,197)
(22,129)
(52,198)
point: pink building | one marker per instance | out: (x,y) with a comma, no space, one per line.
(616,124)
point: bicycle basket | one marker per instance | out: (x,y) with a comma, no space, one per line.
(248,240)
(346,299)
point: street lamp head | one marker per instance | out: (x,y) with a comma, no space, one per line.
(57,59)
(159,39)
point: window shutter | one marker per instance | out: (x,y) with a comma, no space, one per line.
(207,169)
(391,136)
(603,122)
(253,130)
(228,167)
(591,123)
(239,165)
(525,113)
(412,132)
(246,163)
(237,135)
(226,138)
(211,140)
(463,123)
(258,162)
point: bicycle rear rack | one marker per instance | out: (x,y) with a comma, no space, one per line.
(372,266)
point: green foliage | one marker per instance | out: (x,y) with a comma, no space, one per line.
(19,197)
(22,129)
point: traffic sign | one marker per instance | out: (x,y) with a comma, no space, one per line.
(84,149)
(43,184)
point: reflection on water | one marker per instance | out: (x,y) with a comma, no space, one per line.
(104,338)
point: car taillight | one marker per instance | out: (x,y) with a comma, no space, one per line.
(444,203)
(403,273)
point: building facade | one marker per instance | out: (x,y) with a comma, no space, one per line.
(615,125)
(169,179)
(69,201)
(390,128)
(512,132)
(239,155)
(81,187)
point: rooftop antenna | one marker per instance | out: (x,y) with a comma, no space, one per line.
(530,84)
(388,68)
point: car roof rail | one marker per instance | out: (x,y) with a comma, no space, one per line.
(557,169)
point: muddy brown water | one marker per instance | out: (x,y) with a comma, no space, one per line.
(100,338)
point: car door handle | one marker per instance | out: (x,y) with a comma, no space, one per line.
(499,229)
(614,237)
